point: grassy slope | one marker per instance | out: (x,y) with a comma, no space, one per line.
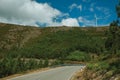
(15,36)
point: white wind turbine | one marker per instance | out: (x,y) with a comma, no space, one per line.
(96,20)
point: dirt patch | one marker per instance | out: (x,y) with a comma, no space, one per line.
(78,75)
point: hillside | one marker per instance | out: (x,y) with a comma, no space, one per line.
(16,35)
(32,44)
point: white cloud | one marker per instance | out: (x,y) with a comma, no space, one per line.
(86,22)
(30,12)
(27,12)
(86,0)
(80,7)
(91,9)
(92,6)
(104,11)
(75,6)
(70,22)
(81,19)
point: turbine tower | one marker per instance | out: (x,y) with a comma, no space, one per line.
(96,20)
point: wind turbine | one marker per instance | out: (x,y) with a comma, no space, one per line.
(96,20)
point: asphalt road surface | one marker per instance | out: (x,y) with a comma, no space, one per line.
(61,73)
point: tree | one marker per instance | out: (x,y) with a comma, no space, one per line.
(113,40)
(118,12)
(118,9)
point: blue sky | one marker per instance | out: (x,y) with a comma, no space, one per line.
(58,12)
(88,9)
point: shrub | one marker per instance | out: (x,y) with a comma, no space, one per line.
(78,56)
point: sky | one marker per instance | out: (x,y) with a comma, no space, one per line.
(43,13)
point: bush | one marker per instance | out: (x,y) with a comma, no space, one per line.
(90,66)
(98,66)
(9,66)
(78,56)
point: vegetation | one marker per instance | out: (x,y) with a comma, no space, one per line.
(78,56)
(113,40)
(10,65)
(58,44)
(108,63)
(99,47)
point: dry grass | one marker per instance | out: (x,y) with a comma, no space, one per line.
(78,75)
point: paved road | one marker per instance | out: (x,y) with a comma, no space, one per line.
(61,73)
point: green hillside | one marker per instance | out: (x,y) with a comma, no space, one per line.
(32,48)
(36,42)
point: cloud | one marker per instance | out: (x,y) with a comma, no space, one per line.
(70,22)
(80,7)
(105,11)
(86,1)
(86,22)
(92,4)
(30,12)
(75,6)
(27,12)
(91,9)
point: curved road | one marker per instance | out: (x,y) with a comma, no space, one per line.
(61,73)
